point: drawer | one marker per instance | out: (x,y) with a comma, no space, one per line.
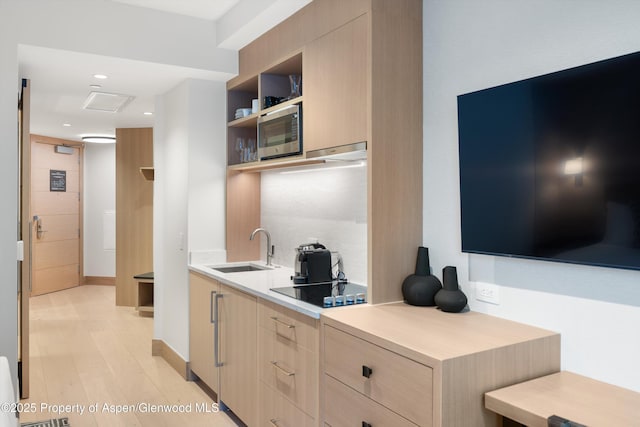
(398,383)
(288,324)
(345,407)
(276,411)
(289,368)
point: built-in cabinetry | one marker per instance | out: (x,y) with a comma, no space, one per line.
(272,82)
(228,365)
(361,67)
(134,213)
(401,365)
(144,302)
(287,366)
(202,292)
(260,358)
(336,82)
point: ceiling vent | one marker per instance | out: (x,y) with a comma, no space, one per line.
(104,101)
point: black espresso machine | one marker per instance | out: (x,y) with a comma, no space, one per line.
(312,264)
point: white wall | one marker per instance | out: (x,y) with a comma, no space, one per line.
(99,203)
(207,167)
(329,205)
(470,45)
(188,207)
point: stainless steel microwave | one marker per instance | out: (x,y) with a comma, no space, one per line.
(280,133)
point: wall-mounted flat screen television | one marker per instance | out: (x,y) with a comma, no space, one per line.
(550,166)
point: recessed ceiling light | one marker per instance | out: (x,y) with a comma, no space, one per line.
(148,113)
(67,125)
(100,76)
(99,139)
(95,86)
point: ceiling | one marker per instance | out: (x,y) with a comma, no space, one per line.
(206,9)
(60,80)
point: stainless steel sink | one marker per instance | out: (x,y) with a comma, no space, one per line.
(239,268)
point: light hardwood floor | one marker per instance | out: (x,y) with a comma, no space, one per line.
(86,351)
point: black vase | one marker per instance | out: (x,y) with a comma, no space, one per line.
(450,298)
(421,287)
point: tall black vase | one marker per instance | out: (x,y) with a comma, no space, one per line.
(421,287)
(450,298)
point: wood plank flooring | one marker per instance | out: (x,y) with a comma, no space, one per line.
(86,351)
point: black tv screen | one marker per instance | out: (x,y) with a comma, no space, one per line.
(550,166)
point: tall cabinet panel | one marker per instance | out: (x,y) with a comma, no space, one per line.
(335,84)
(134,211)
(238,348)
(202,293)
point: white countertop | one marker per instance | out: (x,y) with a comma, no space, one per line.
(258,283)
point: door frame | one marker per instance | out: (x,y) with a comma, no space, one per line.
(25,227)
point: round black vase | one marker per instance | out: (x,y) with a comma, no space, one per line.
(420,288)
(450,298)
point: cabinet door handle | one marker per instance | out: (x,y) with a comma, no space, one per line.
(366,424)
(273,422)
(366,371)
(216,332)
(281,369)
(286,325)
(211,298)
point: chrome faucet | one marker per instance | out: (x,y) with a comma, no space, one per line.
(270,248)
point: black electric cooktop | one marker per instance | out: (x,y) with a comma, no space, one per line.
(329,294)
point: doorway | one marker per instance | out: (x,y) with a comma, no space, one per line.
(56,195)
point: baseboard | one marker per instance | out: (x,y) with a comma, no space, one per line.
(160,348)
(99,280)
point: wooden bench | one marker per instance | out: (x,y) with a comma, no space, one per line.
(144,304)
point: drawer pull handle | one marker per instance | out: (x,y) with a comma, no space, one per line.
(275,319)
(273,422)
(366,424)
(366,371)
(281,369)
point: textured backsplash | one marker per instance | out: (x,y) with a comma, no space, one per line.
(329,205)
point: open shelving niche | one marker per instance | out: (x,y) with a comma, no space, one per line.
(274,81)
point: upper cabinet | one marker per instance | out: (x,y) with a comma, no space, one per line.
(335,87)
(256,96)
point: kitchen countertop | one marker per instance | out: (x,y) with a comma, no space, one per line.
(258,283)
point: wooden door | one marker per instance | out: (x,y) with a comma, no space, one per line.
(238,353)
(201,329)
(335,79)
(55,209)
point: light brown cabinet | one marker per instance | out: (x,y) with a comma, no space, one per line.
(202,293)
(384,377)
(228,367)
(401,365)
(238,347)
(335,87)
(349,408)
(288,366)
(134,215)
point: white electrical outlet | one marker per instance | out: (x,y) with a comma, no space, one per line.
(488,292)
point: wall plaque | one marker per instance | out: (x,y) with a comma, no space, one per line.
(57,180)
